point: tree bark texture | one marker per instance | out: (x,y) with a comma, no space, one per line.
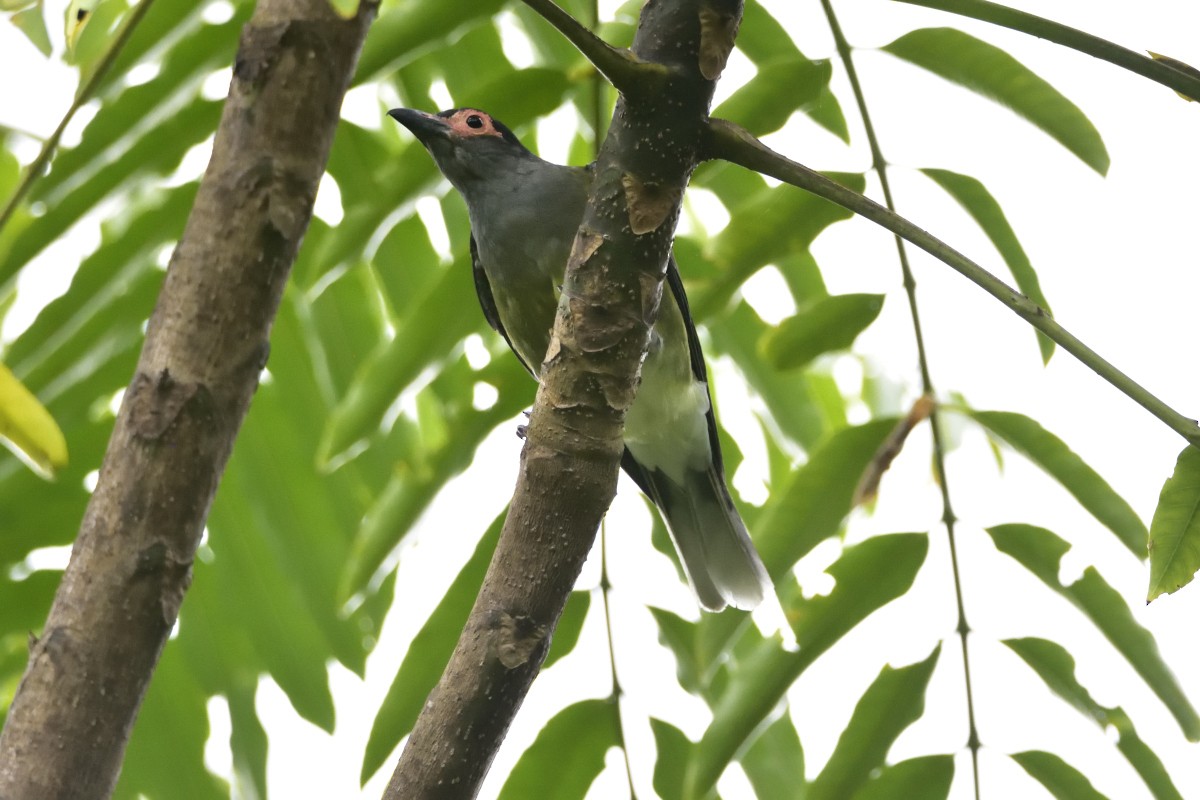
(206,344)
(574,442)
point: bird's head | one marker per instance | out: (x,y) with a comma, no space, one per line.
(468,145)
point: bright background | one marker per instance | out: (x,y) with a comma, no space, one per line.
(1118,260)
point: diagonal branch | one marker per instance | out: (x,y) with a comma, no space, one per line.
(1158,71)
(734,144)
(206,343)
(568,476)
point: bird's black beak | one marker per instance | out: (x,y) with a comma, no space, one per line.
(423,126)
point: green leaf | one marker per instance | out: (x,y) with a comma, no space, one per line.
(779,89)
(76,19)
(567,755)
(273,607)
(138,111)
(1041,551)
(1055,666)
(32,22)
(26,601)
(811,504)
(1175,529)
(159,152)
(774,762)
(922,778)
(166,749)
(28,428)
(248,742)
(427,465)
(111,293)
(408,28)
(1182,81)
(570,624)
(823,326)
(680,635)
(1050,453)
(761,37)
(987,70)
(1143,758)
(893,701)
(425,336)
(426,657)
(974,197)
(10,173)
(302,522)
(348,319)
(805,405)
(773,224)
(1060,778)
(675,752)
(867,577)
(91,36)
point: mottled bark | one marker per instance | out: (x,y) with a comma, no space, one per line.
(569,464)
(206,343)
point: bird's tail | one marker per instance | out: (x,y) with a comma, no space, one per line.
(718,557)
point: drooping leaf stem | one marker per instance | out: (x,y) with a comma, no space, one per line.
(1069,37)
(617,64)
(733,143)
(84,94)
(927,388)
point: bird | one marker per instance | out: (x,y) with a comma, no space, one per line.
(524,213)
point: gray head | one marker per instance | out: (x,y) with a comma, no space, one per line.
(468,144)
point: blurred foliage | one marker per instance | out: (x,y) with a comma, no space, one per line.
(331,471)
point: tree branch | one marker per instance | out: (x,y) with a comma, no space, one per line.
(1157,71)
(206,343)
(626,72)
(732,143)
(574,442)
(949,518)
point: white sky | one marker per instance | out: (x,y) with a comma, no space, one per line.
(1117,257)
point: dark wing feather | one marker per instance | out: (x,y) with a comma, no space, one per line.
(675,284)
(487,302)
(641,476)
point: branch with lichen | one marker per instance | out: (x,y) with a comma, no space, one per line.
(733,143)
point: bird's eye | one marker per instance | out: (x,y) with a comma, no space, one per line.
(475,121)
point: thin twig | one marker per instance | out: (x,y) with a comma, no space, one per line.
(733,143)
(939,450)
(615,697)
(1066,36)
(619,65)
(81,97)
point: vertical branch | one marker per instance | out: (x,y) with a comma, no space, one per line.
(927,388)
(206,343)
(568,475)
(597,122)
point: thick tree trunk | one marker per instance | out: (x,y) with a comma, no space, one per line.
(207,341)
(569,464)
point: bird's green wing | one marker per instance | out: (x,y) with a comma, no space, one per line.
(487,301)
